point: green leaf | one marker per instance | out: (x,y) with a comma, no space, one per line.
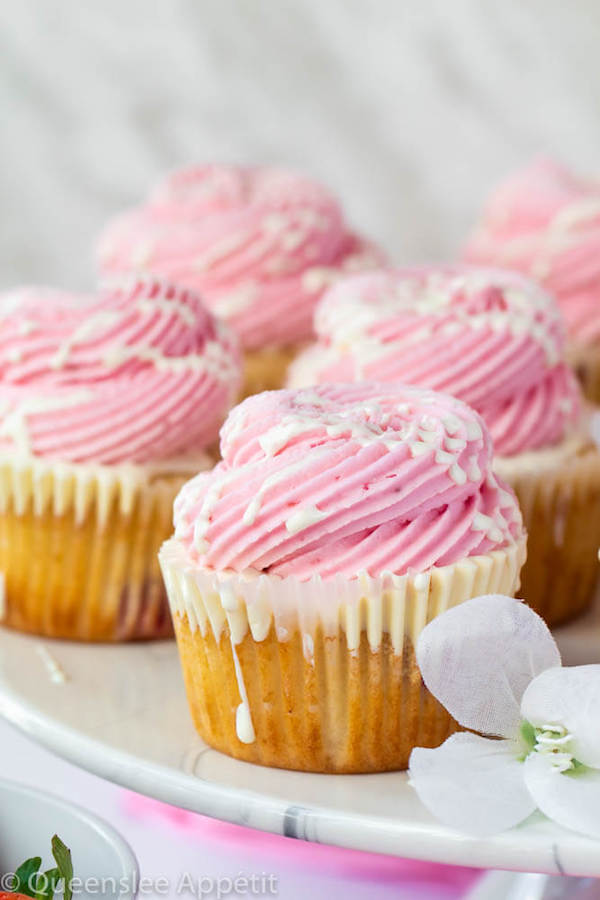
(47,884)
(24,876)
(62,855)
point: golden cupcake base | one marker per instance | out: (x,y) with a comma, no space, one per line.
(561,512)
(78,552)
(344,712)
(585,360)
(317,676)
(265,369)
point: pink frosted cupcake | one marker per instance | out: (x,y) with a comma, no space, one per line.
(107,405)
(494,339)
(305,565)
(259,244)
(545,221)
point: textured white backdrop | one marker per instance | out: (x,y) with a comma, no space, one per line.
(408,108)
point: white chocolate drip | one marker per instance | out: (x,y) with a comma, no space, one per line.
(243,717)
(397,605)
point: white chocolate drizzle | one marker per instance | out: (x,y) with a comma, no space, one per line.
(13,424)
(243,717)
(199,500)
(345,321)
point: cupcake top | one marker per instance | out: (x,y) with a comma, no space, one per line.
(491,337)
(545,222)
(142,373)
(260,244)
(347,479)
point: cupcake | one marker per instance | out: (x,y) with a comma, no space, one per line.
(107,406)
(259,244)
(306,563)
(496,340)
(545,222)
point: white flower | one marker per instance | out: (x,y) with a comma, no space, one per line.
(494,665)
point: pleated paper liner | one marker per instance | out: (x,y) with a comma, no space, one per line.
(561,512)
(586,362)
(265,368)
(318,676)
(78,549)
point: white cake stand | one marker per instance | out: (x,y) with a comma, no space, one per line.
(120,712)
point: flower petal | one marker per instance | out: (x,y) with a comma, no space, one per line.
(569,697)
(479,657)
(571,800)
(472,783)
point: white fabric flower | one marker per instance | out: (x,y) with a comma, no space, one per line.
(494,665)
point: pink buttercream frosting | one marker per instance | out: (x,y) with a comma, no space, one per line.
(489,336)
(259,244)
(545,221)
(344,479)
(141,373)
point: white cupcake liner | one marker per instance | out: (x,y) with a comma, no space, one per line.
(398,605)
(79,544)
(58,488)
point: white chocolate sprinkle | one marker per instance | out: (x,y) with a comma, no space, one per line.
(455,443)
(481,522)
(474,471)
(303,518)
(451,424)
(419,448)
(474,431)
(457,474)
